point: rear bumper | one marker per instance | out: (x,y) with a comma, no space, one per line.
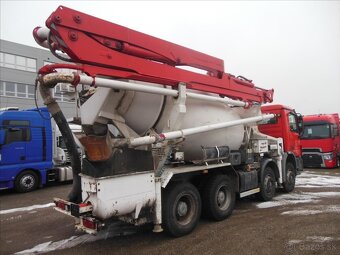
(82,212)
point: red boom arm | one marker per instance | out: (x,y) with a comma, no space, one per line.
(108,49)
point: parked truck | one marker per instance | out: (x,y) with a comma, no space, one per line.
(31,151)
(162,144)
(321,141)
(288,125)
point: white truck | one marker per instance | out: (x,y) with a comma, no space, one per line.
(161,144)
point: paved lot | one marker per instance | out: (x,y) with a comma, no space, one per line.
(306,221)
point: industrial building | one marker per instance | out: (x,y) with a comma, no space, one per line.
(18,70)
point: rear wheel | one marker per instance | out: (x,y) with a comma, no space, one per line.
(218,198)
(268,185)
(289,184)
(181,209)
(26,181)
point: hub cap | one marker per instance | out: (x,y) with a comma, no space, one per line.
(27,181)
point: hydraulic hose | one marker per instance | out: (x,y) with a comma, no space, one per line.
(45,85)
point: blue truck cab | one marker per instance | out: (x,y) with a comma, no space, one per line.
(25,149)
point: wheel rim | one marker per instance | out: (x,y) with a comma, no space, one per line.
(185,209)
(27,181)
(223,197)
(290,177)
(182,209)
(269,184)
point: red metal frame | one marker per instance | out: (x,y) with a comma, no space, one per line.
(108,49)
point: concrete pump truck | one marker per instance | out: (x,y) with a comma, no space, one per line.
(162,144)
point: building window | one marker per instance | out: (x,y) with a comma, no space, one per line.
(2,88)
(9,89)
(21,90)
(18,62)
(9,60)
(30,91)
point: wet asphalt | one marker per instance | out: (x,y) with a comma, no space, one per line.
(307,221)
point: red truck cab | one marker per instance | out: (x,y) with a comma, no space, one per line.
(288,125)
(321,141)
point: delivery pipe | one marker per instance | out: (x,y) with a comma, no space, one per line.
(217,99)
(117,84)
(45,83)
(40,35)
(195,130)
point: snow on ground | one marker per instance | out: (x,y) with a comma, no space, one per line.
(313,210)
(316,239)
(302,181)
(288,199)
(321,239)
(308,180)
(115,229)
(27,208)
(297,198)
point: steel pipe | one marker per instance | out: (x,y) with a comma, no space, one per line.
(217,99)
(195,130)
(116,84)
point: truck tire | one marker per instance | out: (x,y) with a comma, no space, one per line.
(26,181)
(289,184)
(267,185)
(181,209)
(218,198)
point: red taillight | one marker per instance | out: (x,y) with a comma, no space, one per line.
(84,205)
(60,205)
(89,223)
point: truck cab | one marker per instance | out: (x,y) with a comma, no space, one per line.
(288,125)
(321,141)
(25,149)
(28,150)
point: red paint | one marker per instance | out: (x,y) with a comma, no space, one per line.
(108,49)
(283,127)
(89,223)
(321,140)
(46,69)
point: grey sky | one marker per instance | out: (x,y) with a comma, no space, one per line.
(293,47)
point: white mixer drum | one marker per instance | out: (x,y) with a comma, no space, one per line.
(147,110)
(143,111)
(201,113)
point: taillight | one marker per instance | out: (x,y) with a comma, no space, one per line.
(60,205)
(89,223)
(84,205)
